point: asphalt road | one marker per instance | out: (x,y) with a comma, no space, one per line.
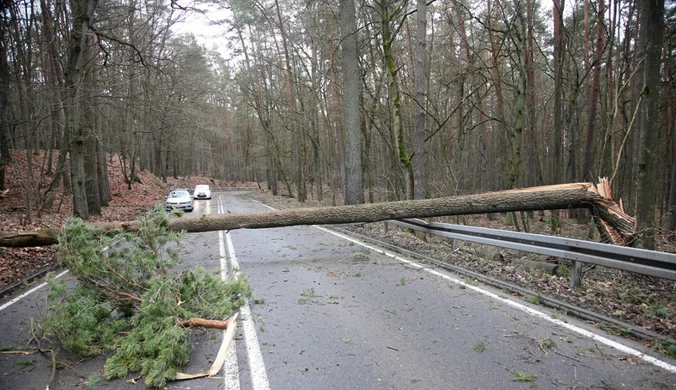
(329,312)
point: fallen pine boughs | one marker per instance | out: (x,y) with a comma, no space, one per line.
(127,303)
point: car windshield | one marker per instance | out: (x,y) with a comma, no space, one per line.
(201,188)
(179,194)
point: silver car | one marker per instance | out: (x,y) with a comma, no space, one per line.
(179,199)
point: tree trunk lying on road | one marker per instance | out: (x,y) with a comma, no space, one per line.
(563,196)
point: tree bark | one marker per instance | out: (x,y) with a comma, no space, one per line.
(559,39)
(495,49)
(5,157)
(554,197)
(354,188)
(419,118)
(589,166)
(74,75)
(651,36)
(91,157)
(401,159)
(298,125)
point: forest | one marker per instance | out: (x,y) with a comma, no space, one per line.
(358,101)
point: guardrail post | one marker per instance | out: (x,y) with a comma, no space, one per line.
(387,227)
(575,274)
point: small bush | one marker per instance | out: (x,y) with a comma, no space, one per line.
(563,270)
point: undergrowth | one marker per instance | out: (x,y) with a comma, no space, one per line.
(127,303)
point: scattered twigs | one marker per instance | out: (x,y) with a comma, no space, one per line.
(566,356)
(50,351)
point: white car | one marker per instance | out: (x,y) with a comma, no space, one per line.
(178,199)
(202,191)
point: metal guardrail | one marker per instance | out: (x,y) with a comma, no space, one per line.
(646,262)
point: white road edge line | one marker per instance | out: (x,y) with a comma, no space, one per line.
(544,316)
(29,292)
(36,288)
(230,367)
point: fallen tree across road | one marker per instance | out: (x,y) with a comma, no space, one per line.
(619,226)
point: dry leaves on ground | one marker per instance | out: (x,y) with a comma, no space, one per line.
(27,192)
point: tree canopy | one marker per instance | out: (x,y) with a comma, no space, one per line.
(475,96)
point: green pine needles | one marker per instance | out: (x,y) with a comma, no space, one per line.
(127,303)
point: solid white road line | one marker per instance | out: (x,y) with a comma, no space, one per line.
(259,377)
(230,367)
(544,316)
(29,292)
(38,287)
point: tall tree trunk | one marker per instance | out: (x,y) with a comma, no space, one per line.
(403,161)
(589,168)
(516,134)
(614,85)
(354,188)
(420,83)
(315,129)
(671,205)
(651,36)
(557,166)
(74,72)
(297,126)
(497,76)
(5,157)
(55,79)
(533,150)
(102,168)
(368,125)
(91,155)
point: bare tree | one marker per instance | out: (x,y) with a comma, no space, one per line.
(650,41)
(76,68)
(354,189)
(391,21)
(588,170)
(5,157)
(420,106)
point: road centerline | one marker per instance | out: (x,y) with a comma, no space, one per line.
(259,378)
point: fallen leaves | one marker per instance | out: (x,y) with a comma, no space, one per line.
(19,212)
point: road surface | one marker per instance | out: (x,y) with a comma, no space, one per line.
(328,312)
